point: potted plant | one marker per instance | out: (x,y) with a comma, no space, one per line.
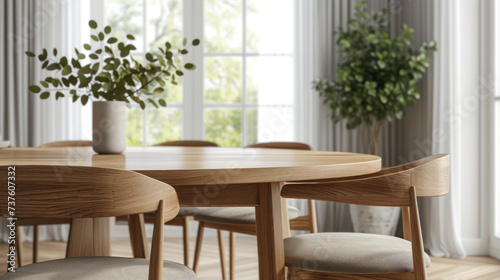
(377,79)
(106,73)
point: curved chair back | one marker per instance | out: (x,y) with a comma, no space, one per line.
(389,187)
(90,192)
(282,145)
(71,143)
(189,143)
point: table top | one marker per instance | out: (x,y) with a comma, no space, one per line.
(206,165)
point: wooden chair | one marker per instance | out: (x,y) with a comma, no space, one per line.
(189,143)
(361,255)
(185,214)
(35,222)
(242,219)
(91,192)
(71,143)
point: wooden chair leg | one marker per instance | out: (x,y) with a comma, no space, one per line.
(197,249)
(232,246)
(35,243)
(185,237)
(220,237)
(19,247)
(313,224)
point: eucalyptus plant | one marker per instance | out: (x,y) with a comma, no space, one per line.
(111,73)
(377,76)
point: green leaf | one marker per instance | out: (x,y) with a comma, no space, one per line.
(152,102)
(44,84)
(184,42)
(101,36)
(196,42)
(158,90)
(75,98)
(381,64)
(84,99)
(184,51)
(93,56)
(63,61)
(66,70)
(45,95)
(162,102)
(149,57)
(107,29)
(59,95)
(53,66)
(95,38)
(179,72)
(130,37)
(34,89)
(93,24)
(87,47)
(44,65)
(124,52)
(168,45)
(81,56)
(142,104)
(30,54)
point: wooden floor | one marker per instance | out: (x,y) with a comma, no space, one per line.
(477,268)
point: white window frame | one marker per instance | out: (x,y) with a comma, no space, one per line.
(193,105)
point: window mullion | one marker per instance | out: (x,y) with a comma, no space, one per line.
(144,46)
(244,76)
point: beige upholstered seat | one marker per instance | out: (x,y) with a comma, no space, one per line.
(368,256)
(341,252)
(97,268)
(235,215)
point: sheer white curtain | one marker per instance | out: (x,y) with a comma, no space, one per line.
(402,141)
(26,120)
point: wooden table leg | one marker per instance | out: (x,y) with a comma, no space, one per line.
(89,237)
(269,223)
(138,238)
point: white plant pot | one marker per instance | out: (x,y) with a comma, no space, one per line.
(109,135)
(374,219)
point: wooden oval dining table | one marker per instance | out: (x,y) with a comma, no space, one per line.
(203,176)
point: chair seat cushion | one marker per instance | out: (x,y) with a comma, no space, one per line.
(350,253)
(97,268)
(235,215)
(183,212)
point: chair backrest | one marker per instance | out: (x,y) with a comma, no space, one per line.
(189,143)
(389,187)
(71,143)
(84,192)
(282,145)
(89,192)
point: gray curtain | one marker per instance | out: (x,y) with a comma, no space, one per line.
(402,141)
(25,120)
(17,27)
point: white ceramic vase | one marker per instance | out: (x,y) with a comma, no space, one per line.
(109,135)
(375,219)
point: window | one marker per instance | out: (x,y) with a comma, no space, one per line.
(242,90)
